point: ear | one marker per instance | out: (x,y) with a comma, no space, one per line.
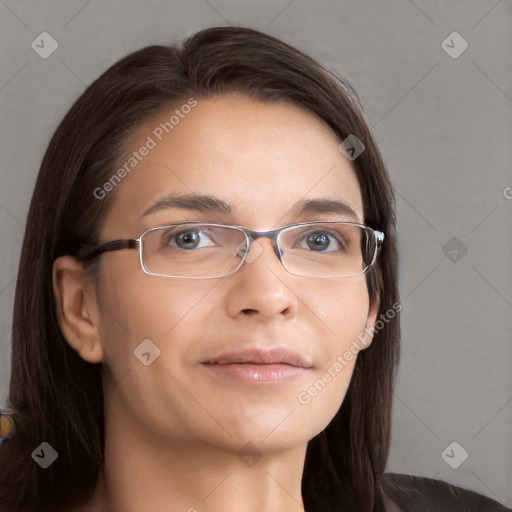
(78,312)
(369,328)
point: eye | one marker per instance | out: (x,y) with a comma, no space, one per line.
(321,241)
(187,239)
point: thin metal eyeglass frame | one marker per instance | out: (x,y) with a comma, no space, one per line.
(89,254)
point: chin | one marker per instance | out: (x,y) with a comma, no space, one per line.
(276,429)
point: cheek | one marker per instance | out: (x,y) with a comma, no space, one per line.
(146,307)
(342,314)
(148,327)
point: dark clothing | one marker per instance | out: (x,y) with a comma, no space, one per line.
(408,493)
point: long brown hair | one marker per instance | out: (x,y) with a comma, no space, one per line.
(56,396)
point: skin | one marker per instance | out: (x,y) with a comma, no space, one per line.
(173,429)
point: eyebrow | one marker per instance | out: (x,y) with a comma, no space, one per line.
(209,203)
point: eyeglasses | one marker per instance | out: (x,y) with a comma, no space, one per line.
(200,250)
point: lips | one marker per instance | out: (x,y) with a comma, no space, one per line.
(277,355)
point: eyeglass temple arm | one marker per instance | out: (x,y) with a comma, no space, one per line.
(115,245)
(379,238)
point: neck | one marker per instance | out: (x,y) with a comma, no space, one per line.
(143,474)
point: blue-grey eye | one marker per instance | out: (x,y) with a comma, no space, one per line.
(188,239)
(185,240)
(321,241)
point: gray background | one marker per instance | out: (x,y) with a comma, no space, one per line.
(442,124)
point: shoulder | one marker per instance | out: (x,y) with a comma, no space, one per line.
(409,493)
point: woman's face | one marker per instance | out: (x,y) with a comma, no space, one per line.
(261,159)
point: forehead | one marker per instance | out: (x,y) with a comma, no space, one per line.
(259,158)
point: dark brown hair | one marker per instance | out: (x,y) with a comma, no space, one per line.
(56,396)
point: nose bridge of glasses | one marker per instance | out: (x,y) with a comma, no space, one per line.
(261,238)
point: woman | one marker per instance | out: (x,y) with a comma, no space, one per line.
(207,308)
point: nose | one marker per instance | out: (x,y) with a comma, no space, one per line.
(260,249)
(257,246)
(259,287)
